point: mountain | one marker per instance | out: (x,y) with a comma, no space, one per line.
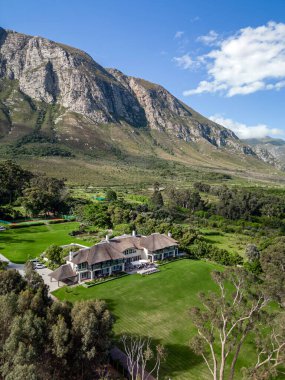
(272,150)
(56,101)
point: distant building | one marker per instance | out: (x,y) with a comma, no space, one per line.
(113,255)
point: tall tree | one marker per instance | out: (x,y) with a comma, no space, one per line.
(270,343)
(44,195)
(13,180)
(226,319)
(139,355)
(91,325)
(252,253)
(157,199)
(273,265)
(111,195)
(11,281)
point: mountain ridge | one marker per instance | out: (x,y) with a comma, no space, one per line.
(56,99)
(273,149)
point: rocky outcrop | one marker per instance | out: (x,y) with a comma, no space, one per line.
(269,150)
(166,113)
(58,74)
(54,73)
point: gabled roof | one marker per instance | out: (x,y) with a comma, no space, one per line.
(100,252)
(63,272)
(113,249)
(156,241)
(122,243)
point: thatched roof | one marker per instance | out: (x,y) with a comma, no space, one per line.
(122,243)
(156,241)
(97,254)
(63,273)
(114,248)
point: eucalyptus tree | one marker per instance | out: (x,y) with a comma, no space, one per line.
(226,318)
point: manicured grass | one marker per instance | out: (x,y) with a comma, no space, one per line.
(157,306)
(22,244)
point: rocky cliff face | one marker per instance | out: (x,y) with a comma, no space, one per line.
(53,73)
(270,150)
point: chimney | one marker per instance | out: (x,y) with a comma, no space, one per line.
(107,238)
(169,234)
(134,233)
(70,255)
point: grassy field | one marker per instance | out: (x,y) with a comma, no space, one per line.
(232,242)
(22,244)
(157,305)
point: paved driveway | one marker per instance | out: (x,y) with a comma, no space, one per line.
(18,267)
(53,285)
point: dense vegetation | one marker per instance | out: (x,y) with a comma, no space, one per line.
(42,339)
(38,194)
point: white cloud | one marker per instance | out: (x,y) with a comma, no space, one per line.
(251,60)
(178,34)
(209,39)
(185,61)
(244,131)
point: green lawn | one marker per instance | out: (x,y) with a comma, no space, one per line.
(157,305)
(21,244)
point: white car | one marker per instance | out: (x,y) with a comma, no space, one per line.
(2,228)
(40,266)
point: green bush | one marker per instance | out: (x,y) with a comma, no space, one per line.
(203,250)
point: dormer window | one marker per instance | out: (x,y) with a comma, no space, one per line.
(129,251)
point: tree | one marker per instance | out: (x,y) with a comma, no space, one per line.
(55,254)
(8,309)
(187,239)
(22,372)
(200,186)
(95,214)
(157,199)
(226,319)
(60,335)
(139,354)
(44,194)
(13,180)
(273,265)
(3,265)
(270,342)
(24,345)
(186,198)
(47,339)
(91,325)
(252,253)
(11,281)
(111,195)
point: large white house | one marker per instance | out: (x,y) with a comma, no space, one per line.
(113,255)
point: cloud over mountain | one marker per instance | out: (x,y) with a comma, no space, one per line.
(250,60)
(244,131)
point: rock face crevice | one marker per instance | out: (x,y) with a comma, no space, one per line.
(58,74)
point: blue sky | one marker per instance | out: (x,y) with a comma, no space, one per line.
(224,58)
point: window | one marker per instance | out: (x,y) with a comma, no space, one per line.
(84,275)
(82,266)
(117,268)
(129,251)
